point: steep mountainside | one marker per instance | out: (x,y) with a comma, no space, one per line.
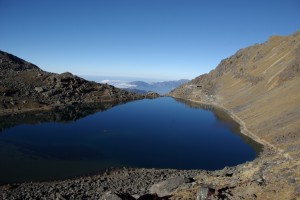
(24,86)
(259,87)
(260,84)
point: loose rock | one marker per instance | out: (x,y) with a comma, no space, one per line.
(166,187)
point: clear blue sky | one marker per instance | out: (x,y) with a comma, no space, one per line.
(159,39)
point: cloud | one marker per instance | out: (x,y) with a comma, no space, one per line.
(105,81)
(118,83)
(125,85)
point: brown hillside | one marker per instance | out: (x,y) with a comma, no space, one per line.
(25,87)
(259,84)
(259,87)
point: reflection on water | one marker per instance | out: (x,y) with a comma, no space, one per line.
(82,139)
(64,114)
(225,120)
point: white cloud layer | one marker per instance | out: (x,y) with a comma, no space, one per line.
(119,83)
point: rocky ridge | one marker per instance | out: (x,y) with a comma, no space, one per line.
(24,86)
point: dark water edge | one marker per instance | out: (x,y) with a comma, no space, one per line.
(60,114)
(84,157)
(223,116)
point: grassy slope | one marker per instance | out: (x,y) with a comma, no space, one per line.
(260,86)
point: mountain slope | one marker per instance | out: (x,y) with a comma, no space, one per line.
(24,86)
(259,87)
(260,84)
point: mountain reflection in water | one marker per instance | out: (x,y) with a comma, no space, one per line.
(82,139)
(224,120)
(63,114)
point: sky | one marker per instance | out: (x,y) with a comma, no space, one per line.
(139,39)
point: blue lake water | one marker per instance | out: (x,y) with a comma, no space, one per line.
(159,133)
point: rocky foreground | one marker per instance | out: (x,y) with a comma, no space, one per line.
(25,87)
(259,88)
(111,184)
(247,181)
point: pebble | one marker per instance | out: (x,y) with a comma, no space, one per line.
(117,181)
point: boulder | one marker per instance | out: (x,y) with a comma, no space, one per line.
(166,187)
(66,75)
(110,196)
(204,193)
(39,89)
(50,93)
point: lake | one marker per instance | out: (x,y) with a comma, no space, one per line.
(158,133)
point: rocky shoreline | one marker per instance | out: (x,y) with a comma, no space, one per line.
(124,182)
(237,182)
(251,180)
(130,183)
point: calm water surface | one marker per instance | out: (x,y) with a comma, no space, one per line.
(159,133)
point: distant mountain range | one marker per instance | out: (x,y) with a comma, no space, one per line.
(142,87)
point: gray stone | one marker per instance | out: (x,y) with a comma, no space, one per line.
(291,181)
(58,85)
(204,193)
(136,196)
(66,75)
(50,93)
(110,196)
(297,190)
(39,89)
(166,187)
